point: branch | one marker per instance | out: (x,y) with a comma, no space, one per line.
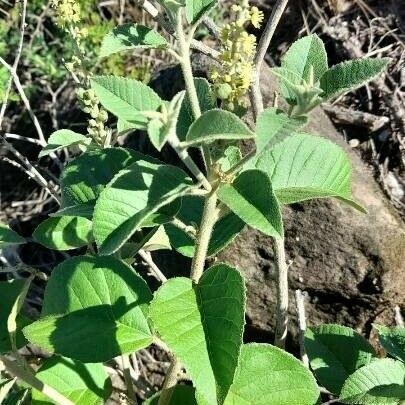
(146,256)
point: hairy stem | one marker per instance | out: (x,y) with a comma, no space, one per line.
(126,369)
(170,381)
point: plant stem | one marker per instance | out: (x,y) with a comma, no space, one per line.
(170,381)
(126,369)
(31,380)
(282,293)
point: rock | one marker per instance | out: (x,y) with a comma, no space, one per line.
(350,264)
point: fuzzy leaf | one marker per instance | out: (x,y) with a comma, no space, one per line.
(8,237)
(335,352)
(83,384)
(288,82)
(132,196)
(195,9)
(130,36)
(304,55)
(203,325)
(225,230)
(126,98)
(303,167)
(251,198)
(214,125)
(393,340)
(380,382)
(64,233)
(63,138)
(207,102)
(268,375)
(180,394)
(273,126)
(95,308)
(351,75)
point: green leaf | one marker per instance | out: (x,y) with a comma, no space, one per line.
(289,83)
(180,394)
(351,75)
(203,325)
(126,98)
(83,384)
(5,388)
(63,138)
(268,375)
(305,57)
(9,293)
(132,196)
(393,340)
(8,237)
(95,308)
(225,230)
(85,177)
(335,352)
(64,233)
(206,100)
(304,166)
(195,9)
(273,126)
(251,198)
(380,382)
(217,124)
(130,36)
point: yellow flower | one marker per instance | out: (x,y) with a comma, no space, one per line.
(68,12)
(256,17)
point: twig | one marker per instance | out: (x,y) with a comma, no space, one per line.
(126,370)
(146,256)
(302,325)
(188,229)
(399,320)
(170,381)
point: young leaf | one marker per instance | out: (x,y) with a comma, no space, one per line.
(126,98)
(288,81)
(305,57)
(63,138)
(207,102)
(268,375)
(303,167)
(64,233)
(351,75)
(393,340)
(225,230)
(335,352)
(380,382)
(203,325)
(95,308)
(179,394)
(9,293)
(8,237)
(217,124)
(251,198)
(132,196)
(130,36)
(83,384)
(85,177)
(195,9)
(273,126)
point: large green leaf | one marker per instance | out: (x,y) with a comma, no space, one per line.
(380,382)
(268,375)
(206,100)
(225,230)
(214,125)
(133,195)
(179,395)
(350,75)
(83,384)
(85,176)
(9,293)
(126,98)
(95,308)
(273,126)
(130,36)
(306,55)
(304,166)
(203,325)
(8,237)
(335,352)
(63,138)
(252,199)
(393,340)
(64,233)
(195,9)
